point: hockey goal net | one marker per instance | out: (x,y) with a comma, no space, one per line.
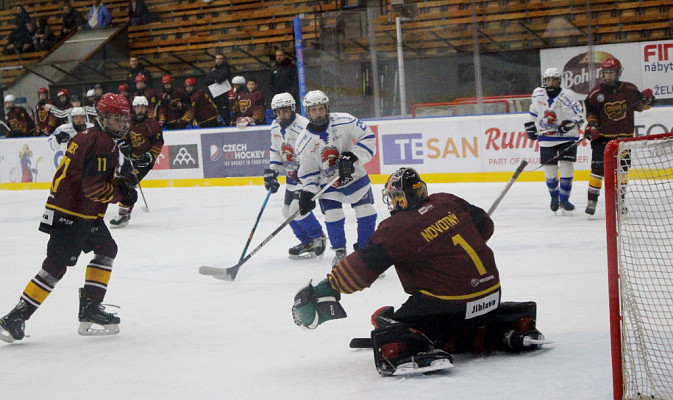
(639,219)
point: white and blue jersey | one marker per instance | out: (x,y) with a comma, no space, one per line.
(548,113)
(283,157)
(319,154)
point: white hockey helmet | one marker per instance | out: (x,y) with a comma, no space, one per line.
(77,111)
(282,100)
(140,101)
(238,80)
(551,73)
(315,98)
(10,98)
(91,93)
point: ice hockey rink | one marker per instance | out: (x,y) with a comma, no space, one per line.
(188,336)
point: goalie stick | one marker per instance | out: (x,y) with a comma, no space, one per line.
(229,274)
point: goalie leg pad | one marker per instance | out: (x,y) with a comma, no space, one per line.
(513,323)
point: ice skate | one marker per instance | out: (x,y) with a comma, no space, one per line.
(421,363)
(13,324)
(312,249)
(340,255)
(525,341)
(591,207)
(90,314)
(120,221)
(567,207)
(554,203)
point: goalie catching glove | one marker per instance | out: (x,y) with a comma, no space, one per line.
(314,305)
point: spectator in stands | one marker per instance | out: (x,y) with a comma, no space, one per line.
(21,16)
(72,20)
(99,16)
(284,76)
(220,74)
(202,111)
(42,113)
(143,90)
(136,68)
(17,41)
(172,105)
(139,14)
(18,120)
(44,38)
(99,90)
(27,43)
(246,108)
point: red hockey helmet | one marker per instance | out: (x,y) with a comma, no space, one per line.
(190,82)
(167,79)
(114,114)
(62,92)
(42,90)
(140,78)
(611,65)
(123,87)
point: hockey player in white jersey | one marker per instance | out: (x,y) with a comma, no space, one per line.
(554,120)
(285,129)
(65,132)
(336,144)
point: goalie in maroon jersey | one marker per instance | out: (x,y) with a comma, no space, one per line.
(438,246)
(140,148)
(611,108)
(83,186)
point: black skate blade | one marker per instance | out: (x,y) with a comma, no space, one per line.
(361,343)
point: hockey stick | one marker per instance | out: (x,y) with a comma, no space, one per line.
(144,207)
(252,232)
(497,201)
(229,274)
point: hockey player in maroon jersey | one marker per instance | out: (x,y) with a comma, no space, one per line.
(438,246)
(143,90)
(83,186)
(610,110)
(202,111)
(172,105)
(58,115)
(42,108)
(140,148)
(247,105)
(18,120)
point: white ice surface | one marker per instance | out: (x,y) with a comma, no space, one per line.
(188,336)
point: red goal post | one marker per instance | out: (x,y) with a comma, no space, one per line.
(639,228)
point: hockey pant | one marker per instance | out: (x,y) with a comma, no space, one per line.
(63,250)
(305,227)
(335,220)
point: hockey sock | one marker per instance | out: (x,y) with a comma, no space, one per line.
(595,184)
(97,277)
(311,227)
(566,188)
(551,178)
(366,227)
(299,232)
(336,233)
(37,290)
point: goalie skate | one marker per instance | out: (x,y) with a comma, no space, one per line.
(315,248)
(431,361)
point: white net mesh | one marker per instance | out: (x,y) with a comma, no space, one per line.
(644,194)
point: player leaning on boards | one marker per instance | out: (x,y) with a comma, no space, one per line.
(83,186)
(336,144)
(438,246)
(283,158)
(610,115)
(140,147)
(554,120)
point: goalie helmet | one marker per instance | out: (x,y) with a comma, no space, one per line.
(404,190)
(613,65)
(316,98)
(113,114)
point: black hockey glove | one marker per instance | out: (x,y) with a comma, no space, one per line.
(306,202)
(346,167)
(126,148)
(531,130)
(130,196)
(144,160)
(314,305)
(566,126)
(271,180)
(62,137)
